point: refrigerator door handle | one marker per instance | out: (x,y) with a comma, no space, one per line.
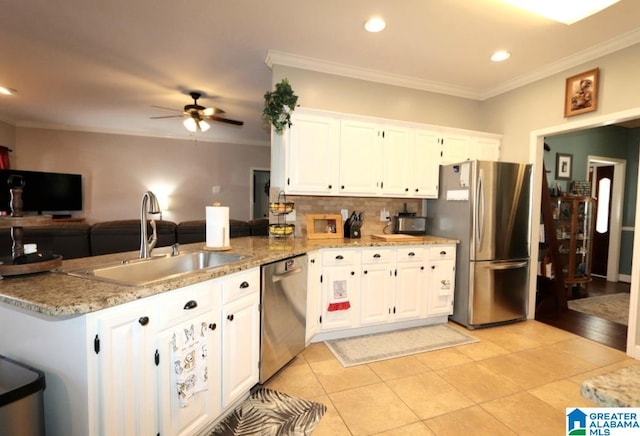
(507,265)
(479,218)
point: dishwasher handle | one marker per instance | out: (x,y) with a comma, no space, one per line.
(279,276)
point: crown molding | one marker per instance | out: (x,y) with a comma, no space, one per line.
(623,41)
(328,67)
(308,63)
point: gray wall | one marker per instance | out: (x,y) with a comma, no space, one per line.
(118,169)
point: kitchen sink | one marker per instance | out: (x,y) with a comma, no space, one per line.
(138,272)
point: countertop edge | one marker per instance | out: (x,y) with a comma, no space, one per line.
(37,293)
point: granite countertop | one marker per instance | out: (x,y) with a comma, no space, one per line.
(620,388)
(60,295)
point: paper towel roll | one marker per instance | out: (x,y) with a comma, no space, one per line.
(217,219)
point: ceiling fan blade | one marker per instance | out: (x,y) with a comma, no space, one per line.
(166,116)
(225,120)
(167,108)
(212,111)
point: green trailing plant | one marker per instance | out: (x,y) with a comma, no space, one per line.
(278,106)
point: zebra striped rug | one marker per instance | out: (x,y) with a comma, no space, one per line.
(269,412)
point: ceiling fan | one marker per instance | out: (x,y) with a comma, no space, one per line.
(195,115)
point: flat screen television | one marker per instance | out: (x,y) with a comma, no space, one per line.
(44,192)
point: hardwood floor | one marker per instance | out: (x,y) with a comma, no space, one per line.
(591,327)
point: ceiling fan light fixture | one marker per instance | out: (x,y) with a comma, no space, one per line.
(209,111)
(203,125)
(567,12)
(190,124)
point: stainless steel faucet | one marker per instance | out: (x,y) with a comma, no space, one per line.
(148,243)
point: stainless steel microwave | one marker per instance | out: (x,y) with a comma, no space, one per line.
(410,225)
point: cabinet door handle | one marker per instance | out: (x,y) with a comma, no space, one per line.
(212,326)
(230,317)
(443,253)
(143,320)
(366,272)
(339,257)
(421,268)
(417,190)
(191,304)
(244,285)
(342,187)
(376,256)
(330,186)
(406,189)
(312,261)
(433,267)
(411,254)
(353,273)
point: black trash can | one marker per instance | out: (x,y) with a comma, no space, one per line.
(21,399)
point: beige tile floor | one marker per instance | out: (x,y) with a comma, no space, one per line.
(517,380)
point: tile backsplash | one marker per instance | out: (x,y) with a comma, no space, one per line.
(371,206)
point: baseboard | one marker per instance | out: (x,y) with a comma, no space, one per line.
(380,328)
(626,278)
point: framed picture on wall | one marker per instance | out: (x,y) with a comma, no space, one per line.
(581,93)
(564,165)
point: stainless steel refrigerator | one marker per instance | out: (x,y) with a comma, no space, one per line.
(487,207)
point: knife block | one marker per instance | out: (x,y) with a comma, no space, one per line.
(352,229)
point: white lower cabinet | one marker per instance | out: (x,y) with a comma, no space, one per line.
(340,289)
(124,358)
(314,274)
(217,323)
(373,286)
(240,334)
(378,285)
(442,266)
(394,284)
(412,287)
(189,347)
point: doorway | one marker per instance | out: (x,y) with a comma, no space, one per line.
(260,181)
(536,156)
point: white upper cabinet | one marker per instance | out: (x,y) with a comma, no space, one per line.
(308,155)
(426,164)
(485,148)
(455,148)
(360,165)
(397,161)
(329,153)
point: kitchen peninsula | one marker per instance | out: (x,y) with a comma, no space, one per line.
(104,347)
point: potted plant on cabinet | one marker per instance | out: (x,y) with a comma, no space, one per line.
(278,106)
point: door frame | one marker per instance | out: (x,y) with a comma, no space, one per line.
(251,172)
(617,202)
(536,150)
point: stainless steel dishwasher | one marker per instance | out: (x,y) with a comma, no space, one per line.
(284,310)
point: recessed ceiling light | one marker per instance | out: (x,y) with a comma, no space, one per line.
(375,24)
(500,55)
(567,12)
(7,91)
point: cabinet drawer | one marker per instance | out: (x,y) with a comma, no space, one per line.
(442,252)
(240,284)
(188,302)
(340,257)
(411,254)
(371,256)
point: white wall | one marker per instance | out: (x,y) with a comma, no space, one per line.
(7,134)
(118,169)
